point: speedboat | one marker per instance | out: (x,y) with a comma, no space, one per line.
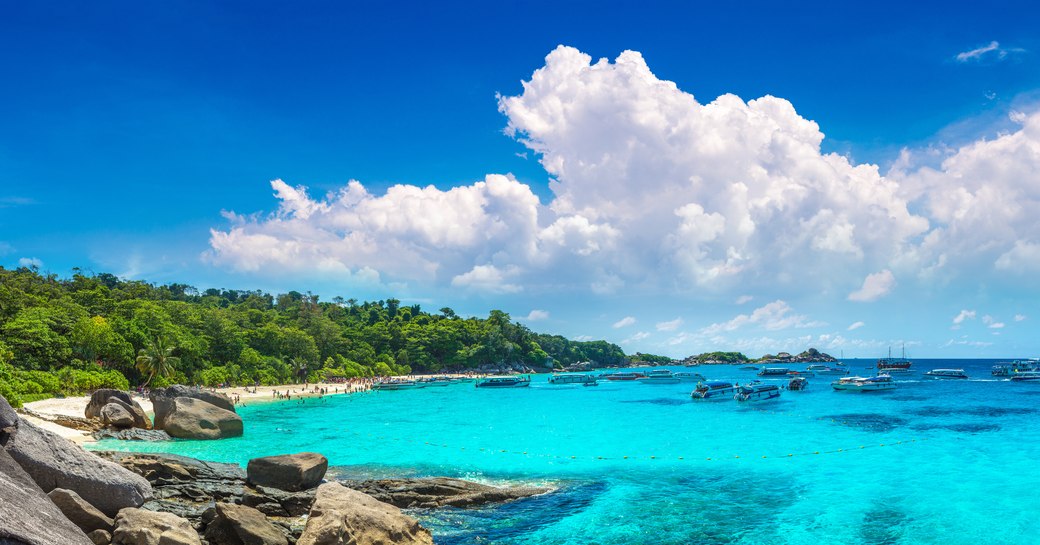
(684,376)
(659,376)
(623,376)
(436,381)
(795,374)
(1011,368)
(749,368)
(946,373)
(757,392)
(774,372)
(798,384)
(504,382)
(864,384)
(1026,376)
(571,378)
(397,384)
(820,369)
(714,390)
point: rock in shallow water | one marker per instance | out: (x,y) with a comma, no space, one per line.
(27,515)
(341,515)
(292,472)
(105,396)
(162,401)
(193,419)
(441,492)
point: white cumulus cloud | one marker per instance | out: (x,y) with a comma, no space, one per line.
(874,287)
(855,325)
(964,315)
(30,262)
(537,314)
(1020,317)
(624,322)
(773,316)
(744,299)
(670,325)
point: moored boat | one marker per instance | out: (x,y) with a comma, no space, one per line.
(798,384)
(757,392)
(685,376)
(774,372)
(864,384)
(946,373)
(571,378)
(1011,368)
(397,384)
(505,382)
(821,369)
(894,365)
(714,390)
(1026,376)
(659,376)
(614,377)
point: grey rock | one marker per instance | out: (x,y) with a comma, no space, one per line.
(115,415)
(190,418)
(341,515)
(162,401)
(441,492)
(133,434)
(241,525)
(55,462)
(27,515)
(104,396)
(292,472)
(275,502)
(143,527)
(8,417)
(100,537)
(81,513)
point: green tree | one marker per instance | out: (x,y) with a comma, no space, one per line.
(157,359)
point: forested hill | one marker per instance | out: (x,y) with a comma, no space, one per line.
(76,331)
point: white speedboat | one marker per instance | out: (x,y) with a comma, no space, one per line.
(397,385)
(659,376)
(757,392)
(946,373)
(684,376)
(821,369)
(798,384)
(774,372)
(505,382)
(571,378)
(1026,376)
(864,384)
(714,390)
(1014,367)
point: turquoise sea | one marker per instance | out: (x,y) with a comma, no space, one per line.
(932,462)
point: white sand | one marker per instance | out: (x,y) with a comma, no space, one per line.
(74,406)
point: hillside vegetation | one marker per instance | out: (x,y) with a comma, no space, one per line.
(70,335)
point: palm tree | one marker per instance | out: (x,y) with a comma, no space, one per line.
(157,359)
(300,369)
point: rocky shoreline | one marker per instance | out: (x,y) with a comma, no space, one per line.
(53,491)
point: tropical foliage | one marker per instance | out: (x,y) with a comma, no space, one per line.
(87,330)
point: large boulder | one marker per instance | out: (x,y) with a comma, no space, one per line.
(341,515)
(55,462)
(441,492)
(116,416)
(278,503)
(142,527)
(241,525)
(105,396)
(8,418)
(81,513)
(26,514)
(162,401)
(190,418)
(292,472)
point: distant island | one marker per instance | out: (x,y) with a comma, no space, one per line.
(811,355)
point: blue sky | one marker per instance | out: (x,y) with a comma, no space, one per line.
(132,131)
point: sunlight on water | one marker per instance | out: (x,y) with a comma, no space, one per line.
(948,462)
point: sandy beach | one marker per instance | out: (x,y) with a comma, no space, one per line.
(74,406)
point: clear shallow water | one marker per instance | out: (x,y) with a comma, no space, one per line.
(951,462)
